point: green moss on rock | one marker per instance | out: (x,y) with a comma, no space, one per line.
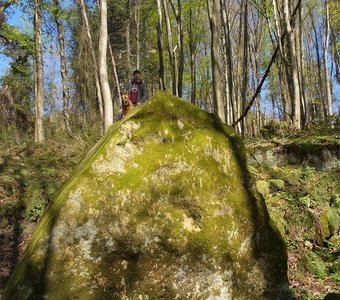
(163,207)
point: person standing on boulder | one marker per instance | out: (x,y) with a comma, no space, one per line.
(137,89)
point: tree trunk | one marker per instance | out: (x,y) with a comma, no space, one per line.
(231,109)
(116,79)
(244,64)
(181,51)
(127,34)
(39,81)
(180,39)
(325,58)
(63,69)
(214,11)
(104,82)
(286,91)
(301,59)
(294,69)
(192,53)
(335,56)
(320,87)
(171,50)
(137,17)
(160,46)
(82,7)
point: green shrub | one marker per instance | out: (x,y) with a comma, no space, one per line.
(312,263)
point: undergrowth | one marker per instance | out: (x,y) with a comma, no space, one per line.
(305,205)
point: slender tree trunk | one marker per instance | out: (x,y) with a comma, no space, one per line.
(244,64)
(160,46)
(137,17)
(116,79)
(181,51)
(180,39)
(335,56)
(63,69)
(82,7)
(294,69)
(172,57)
(301,59)
(128,42)
(284,75)
(192,52)
(325,58)
(231,109)
(39,81)
(320,87)
(104,82)
(214,11)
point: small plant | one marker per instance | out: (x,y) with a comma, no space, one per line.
(34,212)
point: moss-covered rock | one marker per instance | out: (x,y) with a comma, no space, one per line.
(263,187)
(312,263)
(163,207)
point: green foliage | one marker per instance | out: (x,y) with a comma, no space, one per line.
(273,128)
(313,264)
(15,37)
(34,211)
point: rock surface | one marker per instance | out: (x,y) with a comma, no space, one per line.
(322,157)
(163,207)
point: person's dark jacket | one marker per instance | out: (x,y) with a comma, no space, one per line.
(141,91)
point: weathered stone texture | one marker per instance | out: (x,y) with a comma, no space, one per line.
(162,208)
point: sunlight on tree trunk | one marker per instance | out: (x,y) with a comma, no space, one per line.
(104,82)
(214,9)
(39,81)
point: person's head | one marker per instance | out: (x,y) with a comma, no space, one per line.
(136,75)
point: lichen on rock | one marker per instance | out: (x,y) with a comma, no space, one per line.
(163,207)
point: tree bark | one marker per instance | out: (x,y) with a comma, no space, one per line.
(137,17)
(180,39)
(301,58)
(39,81)
(192,53)
(104,82)
(128,42)
(214,11)
(319,59)
(82,7)
(325,58)
(171,50)
(116,79)
(296,99)
(160,46)
(244,64)
(63,69)
(230,107)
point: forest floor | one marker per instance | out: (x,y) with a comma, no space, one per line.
(302,201)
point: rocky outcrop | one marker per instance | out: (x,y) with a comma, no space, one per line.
(163,207)
(319,155)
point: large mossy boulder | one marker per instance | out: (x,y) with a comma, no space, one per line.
(163,207)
